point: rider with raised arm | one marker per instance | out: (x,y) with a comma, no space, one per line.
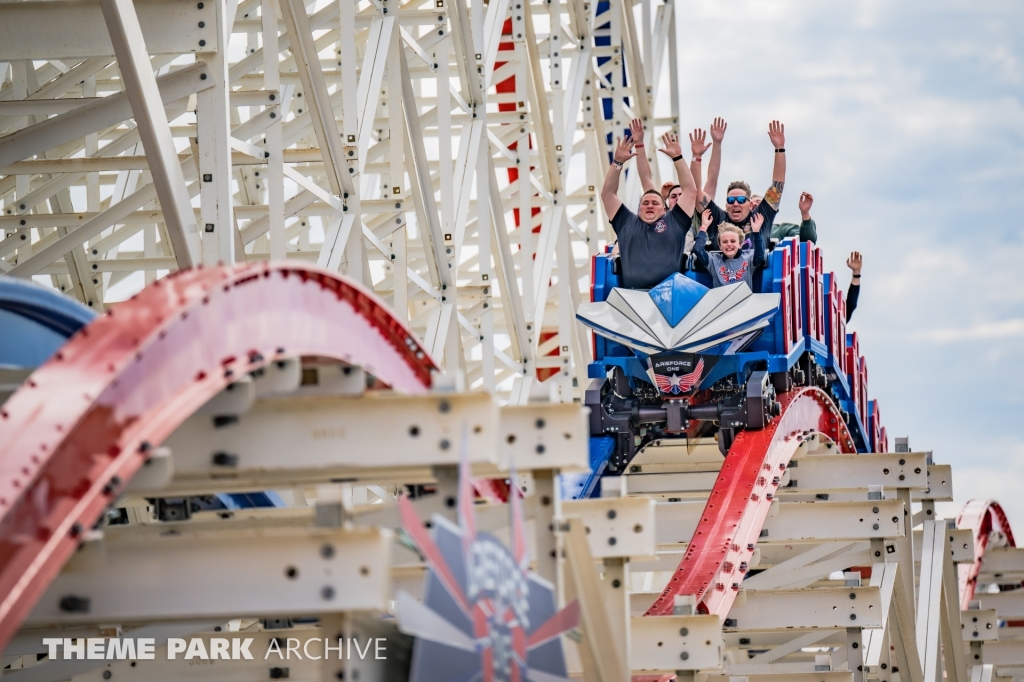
(807,230)
(738,205)
(699,147)
(670,191)
(855,262)
(651,243)
(643,166)
(734,263)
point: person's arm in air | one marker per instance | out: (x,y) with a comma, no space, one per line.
(697,149)
(854,262)
(666,189)
(609,190)
(777,134)
(643,166)
(718,127)
(756,221)
(674,151)
(808,229)
(702,239)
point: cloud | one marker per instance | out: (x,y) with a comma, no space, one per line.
(1001,485)
(1003,329)
(903,119)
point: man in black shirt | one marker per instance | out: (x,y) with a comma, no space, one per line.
(652,242)
(738,209)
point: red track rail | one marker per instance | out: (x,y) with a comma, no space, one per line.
(85,421)
(984,517)
(719,552)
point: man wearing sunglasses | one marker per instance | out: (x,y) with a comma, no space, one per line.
(651,242)
(738,206)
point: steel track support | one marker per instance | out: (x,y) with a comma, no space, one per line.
(154,129)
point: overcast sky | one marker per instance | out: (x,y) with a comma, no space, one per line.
(905,120)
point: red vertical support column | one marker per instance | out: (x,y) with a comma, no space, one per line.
(875,426)
(853,368)
(795,295)
(811,290)
(841,335)
(835,327)
(819,294)
(782,285)
(862,396)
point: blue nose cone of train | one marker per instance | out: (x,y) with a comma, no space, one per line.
(676,296)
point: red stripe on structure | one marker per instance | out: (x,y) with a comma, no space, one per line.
(412,525)
(795,293)
(563,621)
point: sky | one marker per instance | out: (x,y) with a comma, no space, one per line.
(905,120)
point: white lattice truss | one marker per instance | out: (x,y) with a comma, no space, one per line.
(270,129)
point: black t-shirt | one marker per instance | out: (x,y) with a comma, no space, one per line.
(650,252)
(720,216)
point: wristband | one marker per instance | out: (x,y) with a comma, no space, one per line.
(617,164)
(697,159)
(638,146)
(780,150)
(856,277)
(677,158)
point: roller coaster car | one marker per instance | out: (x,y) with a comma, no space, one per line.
(684,360)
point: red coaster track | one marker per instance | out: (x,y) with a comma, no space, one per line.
(719,552)
(985,518)
(84,422)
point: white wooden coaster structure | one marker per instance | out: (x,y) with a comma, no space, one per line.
(838,588)
(446,154)
(809,610)
(159,567)
(274,129)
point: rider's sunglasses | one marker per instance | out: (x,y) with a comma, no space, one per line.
(735,200)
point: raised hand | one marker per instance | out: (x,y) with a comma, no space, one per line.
(705,220)
(636,130)
(806,201)
(854,262)
(666,187)
(624,150)
(671,145)
(777,134)
(718,127)
(697,146)
(756,221)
